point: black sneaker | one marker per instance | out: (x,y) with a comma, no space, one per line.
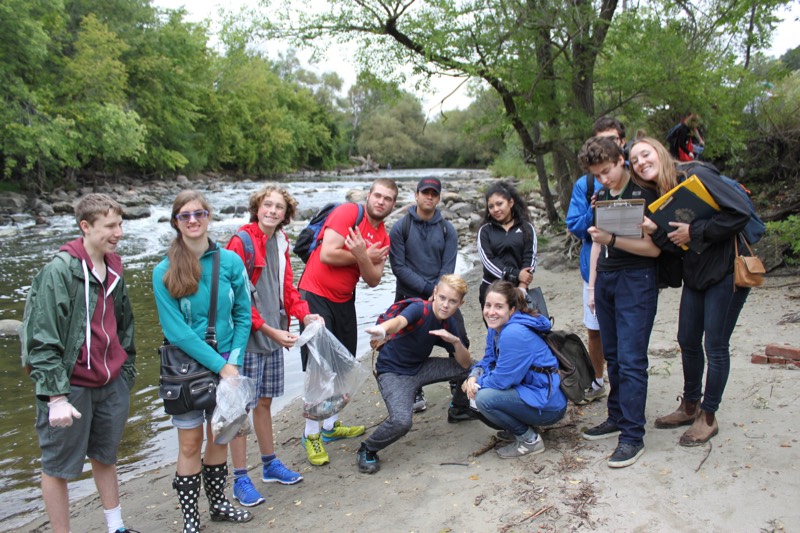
(419,402)
(625,455)
(460,414)
(603,431)
(368,462)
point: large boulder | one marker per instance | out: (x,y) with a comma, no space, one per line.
(9,327)
(133,213)
(13,200)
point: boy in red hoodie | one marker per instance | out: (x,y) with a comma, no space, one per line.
(76,359)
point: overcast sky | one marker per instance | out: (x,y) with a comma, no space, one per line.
(785,38)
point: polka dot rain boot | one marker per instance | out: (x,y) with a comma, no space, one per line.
(215,478)
(188,488)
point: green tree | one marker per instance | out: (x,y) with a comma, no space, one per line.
(93,97)
(31,141)
(169,82)
(391,133)
(540,57)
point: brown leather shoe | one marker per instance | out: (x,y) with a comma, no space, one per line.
(684,415)
(704,427)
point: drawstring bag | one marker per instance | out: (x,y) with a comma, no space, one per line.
(333,375)
(748,271)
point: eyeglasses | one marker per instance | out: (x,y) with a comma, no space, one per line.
(200,214)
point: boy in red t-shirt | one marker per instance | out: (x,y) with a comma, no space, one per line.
(328,284)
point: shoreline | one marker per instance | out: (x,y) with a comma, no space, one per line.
(444,477)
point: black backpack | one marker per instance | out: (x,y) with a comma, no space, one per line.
(309,238)
(574,366)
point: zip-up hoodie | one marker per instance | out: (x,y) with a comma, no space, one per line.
(54,326)
(510,355)
(290,297)
(101,356)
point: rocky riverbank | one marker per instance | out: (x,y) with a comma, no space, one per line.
(445,477)
(462,199)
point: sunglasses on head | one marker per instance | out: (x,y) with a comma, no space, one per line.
(200,214)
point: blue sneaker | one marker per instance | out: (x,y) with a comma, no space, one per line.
(276,472)
(246,493)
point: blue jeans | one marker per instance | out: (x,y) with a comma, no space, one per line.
(507,410)
(626,302)
(707,318)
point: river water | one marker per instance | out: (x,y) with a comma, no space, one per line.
(149,441)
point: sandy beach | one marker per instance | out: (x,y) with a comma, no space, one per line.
(445,477)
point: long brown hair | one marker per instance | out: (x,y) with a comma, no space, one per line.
(183,275)
(667,173)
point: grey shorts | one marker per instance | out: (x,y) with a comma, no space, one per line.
(267,370)
(97,434)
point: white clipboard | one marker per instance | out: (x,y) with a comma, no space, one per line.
(622,217)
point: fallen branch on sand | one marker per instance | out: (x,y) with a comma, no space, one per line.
(531,517)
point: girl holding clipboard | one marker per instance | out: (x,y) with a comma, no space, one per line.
(708,288)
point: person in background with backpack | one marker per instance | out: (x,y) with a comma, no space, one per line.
(679,138)
(580,217)
(623,292)
(424,247)
(404,362)
(516,385)
(710,304)
(264,249)
(80,353)
(345,255)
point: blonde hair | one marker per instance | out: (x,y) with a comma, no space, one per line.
(258,196)
(667,173)
(183,275)
(456,282)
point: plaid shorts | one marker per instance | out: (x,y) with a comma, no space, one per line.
(267,370)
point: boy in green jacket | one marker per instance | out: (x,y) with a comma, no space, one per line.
(77,344)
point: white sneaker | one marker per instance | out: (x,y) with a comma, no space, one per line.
(592,394)
(419,402)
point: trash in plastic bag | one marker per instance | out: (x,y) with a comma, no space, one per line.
(333,375)
(230,414)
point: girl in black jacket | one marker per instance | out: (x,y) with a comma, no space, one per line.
(507,239)
(710,304)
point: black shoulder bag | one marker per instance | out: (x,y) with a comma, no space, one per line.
(185,385)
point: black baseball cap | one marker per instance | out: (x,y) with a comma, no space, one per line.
(430,183)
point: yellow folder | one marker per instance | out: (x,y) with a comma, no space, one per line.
(684,203)
(693,184)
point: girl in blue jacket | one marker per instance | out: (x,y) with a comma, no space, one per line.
(516,385)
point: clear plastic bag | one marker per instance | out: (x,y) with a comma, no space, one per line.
(230,414)
(333,375)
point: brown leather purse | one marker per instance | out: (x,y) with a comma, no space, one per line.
(748,271)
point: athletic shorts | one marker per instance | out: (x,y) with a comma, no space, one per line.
(340,319)
(267,371)
(96,434)
(589,318)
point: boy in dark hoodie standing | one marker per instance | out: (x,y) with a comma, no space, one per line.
(77,344)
